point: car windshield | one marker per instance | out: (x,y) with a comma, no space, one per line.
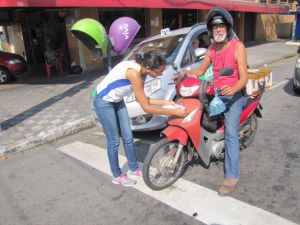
(168,46)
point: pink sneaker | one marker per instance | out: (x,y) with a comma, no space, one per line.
(137,173)
(123,180)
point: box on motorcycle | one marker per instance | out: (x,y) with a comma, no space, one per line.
(258,81)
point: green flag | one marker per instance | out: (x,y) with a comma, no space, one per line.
(208,75)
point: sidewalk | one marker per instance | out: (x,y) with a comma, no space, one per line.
(35,110)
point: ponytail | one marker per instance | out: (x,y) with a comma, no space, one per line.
(139,58)
(150,59)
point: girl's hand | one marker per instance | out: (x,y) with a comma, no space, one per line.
(181,111)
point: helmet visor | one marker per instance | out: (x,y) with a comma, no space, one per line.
(217,20)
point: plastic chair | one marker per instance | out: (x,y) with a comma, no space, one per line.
(60,59)
(48,68)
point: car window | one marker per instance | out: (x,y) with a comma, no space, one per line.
(187,58)
(201,41)
(168,46)
(205,40)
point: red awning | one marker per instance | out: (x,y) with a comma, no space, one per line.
(232,5)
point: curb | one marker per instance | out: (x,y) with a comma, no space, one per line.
(48,136)
(297,43)
(273,60)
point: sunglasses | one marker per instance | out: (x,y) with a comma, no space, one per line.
(216,26)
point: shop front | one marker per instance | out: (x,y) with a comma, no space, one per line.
(50,22)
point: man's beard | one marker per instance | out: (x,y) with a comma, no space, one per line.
(219,38)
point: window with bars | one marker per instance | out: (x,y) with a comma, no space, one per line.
(290,2)
(283,2)
(178,18)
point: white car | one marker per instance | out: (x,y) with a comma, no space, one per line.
(296,80)
(177,48)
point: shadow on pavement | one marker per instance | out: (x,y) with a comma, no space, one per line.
(143,144)
(36,74)
(288,88)
(13,121)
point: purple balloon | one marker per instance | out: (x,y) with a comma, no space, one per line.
(123,30)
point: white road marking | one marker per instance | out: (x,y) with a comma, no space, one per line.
(185,196)
(278,84)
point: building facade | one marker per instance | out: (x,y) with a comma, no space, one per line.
(26,26)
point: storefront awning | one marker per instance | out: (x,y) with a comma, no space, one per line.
(232,5)
(294,13)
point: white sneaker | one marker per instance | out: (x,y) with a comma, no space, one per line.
(137,173)
(123,180)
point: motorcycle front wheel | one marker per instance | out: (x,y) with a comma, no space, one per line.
(158,169)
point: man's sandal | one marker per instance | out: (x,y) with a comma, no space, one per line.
(228,187)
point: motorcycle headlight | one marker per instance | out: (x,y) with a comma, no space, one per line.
(14,61)
(188,91)
(150,88)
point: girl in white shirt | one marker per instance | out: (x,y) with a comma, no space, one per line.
(112,113)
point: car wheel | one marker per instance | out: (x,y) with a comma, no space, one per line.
(296,89)
(5,75)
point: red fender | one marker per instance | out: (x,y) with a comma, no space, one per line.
(176,133)
(248,111)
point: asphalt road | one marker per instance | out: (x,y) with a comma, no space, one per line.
(45,186)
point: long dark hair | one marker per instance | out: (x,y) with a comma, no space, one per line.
(151,59)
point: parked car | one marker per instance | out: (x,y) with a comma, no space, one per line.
(296,83)
(11,65)
(177,47)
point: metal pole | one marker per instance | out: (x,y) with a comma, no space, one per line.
(109,47)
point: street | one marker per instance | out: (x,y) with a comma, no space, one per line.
(45,185)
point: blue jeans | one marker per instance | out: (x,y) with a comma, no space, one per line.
(115,122)
(234,106)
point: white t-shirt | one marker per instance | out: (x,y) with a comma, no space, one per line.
(115,86)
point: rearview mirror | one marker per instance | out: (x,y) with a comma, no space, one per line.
(226,71)
(200,53)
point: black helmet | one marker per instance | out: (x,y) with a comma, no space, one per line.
(219,15)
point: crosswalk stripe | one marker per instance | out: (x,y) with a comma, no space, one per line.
(191,199)
(278,84)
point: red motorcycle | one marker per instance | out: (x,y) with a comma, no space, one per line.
(198,135)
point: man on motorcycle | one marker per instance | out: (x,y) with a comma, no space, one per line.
(226,50)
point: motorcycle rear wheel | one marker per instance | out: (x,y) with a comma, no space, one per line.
(248,135)
(157,173)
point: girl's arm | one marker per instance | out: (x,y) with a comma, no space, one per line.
(160,102)
(138,88)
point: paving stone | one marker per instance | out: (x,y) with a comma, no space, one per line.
(36,128)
